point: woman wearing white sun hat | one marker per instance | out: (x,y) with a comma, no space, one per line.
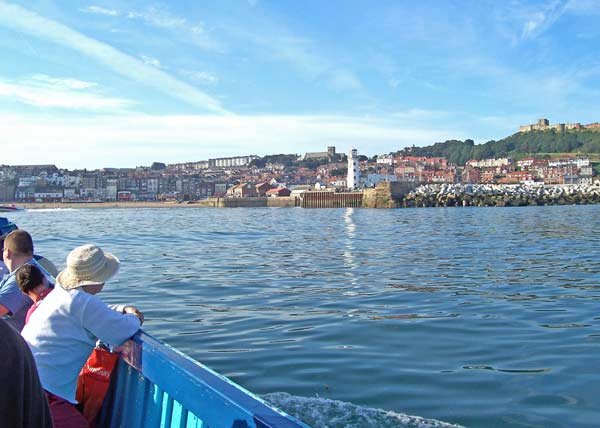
(63,331)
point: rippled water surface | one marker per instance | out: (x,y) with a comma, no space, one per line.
(485,317)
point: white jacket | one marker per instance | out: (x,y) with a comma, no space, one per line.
(63,331)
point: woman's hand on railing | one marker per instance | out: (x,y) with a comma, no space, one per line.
(134,311)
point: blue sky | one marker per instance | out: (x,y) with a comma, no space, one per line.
(126,83)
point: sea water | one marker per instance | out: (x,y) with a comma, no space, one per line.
(482,317)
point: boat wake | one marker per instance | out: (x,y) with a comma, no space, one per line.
(325,413)
(45,210)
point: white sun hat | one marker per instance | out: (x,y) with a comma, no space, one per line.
(88,265)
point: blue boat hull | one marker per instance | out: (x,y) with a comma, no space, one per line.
(157,386)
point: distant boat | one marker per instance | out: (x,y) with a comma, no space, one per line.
(9,208)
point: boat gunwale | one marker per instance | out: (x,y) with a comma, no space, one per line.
(191,383)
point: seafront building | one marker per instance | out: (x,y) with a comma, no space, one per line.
(231,162)
(250,176)
(489,163)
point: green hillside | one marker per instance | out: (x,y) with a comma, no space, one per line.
(516,146)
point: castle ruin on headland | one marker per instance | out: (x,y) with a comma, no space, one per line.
(544,125)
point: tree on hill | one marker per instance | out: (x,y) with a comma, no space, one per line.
(337,172)
(287,160)
(158,166)
(516,146)
(313,163)
(454,150)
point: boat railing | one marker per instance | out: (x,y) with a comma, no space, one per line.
(157,386)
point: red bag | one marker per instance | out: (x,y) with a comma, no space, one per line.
(93,382)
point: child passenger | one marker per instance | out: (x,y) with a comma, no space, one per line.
(32,282)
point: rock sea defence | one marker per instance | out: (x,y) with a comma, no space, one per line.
(498,195)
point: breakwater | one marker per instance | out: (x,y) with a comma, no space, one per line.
(255,202)
(496,195)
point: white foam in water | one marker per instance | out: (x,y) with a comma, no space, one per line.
(45,210)
(325,413)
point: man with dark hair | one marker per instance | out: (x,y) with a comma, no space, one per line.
(18,251)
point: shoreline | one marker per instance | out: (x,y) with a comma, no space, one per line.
(92,205)
(204,203)
(385,195)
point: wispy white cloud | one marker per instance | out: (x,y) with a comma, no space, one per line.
(189,32)
(543,18)
(585,7)
(417,115)
(22,20)
(524,21)
(152,61)
(99,10)
(344,80)
(158,18)
(129,140)
(521,21)
(202,77)
(44,91)
(544,88)
(277,41)
(396,72)
(302,53)
(62,83)
(298,51)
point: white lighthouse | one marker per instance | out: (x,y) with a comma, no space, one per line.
(353,171)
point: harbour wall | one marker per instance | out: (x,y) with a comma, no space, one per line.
(313,199)
(249,202)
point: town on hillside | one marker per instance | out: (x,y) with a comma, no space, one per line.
(276,176)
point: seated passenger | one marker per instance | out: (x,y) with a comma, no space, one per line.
(63,331)
(6,227)
(17,252)
(46,264)
(22,400)
(33,283)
